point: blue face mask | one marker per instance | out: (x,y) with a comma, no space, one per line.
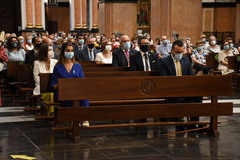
(126,45)
(59,46)
(178,56)
(226,47)
(21,41)
(200,48)
(29,41)
(68,55)
(165,42)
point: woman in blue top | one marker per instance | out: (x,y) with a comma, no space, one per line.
(66,67)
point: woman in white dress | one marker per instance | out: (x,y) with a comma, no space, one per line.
(44,64)
(222,58)
(105,57)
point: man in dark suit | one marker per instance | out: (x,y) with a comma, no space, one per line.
(143,60)
(177,65)
(121,56)
(88,53)
(79,44)
(31,56)
(168,65)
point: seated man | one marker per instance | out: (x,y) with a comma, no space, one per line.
(143,60)
(177,65)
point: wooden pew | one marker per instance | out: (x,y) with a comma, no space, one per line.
(45,87)
(22,78)
(93,64)
(104,69)
(212,61)
(127,88)
(234,63)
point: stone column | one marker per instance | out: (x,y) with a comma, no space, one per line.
(118,16)
(77,14)
(170,15)
(38,13)
(95,13)
(84,13)
(29,13)
(237,31)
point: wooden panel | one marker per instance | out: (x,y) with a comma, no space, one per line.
(12,68)
(46,78)
(45,82)
(104,69)
(211,60)
(233,63)
(142,111)
(208,20)
(102,88)
(120,74)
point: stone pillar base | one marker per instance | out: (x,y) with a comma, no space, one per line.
(83,30)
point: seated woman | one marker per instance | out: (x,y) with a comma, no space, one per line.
(44,64)
(213,47)
(104,57)
(199,58)
(14,50)
(223,61)
(29,46)
(66,67)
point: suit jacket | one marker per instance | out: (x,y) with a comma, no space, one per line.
(119,58)
(136,62)
(39,67)
(77,51)
(83,54)
(30,58)
(166,66)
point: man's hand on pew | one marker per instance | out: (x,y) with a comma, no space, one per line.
(55,87)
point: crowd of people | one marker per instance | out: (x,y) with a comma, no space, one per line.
(60,53)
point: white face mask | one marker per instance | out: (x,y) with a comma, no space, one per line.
(178,56)
(204,39)
(50,54)
(213,42)
(108,47)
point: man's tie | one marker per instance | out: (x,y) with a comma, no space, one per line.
(90,55)
(146,62)
(178,68)
(127,55)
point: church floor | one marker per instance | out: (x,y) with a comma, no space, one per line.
(20,134)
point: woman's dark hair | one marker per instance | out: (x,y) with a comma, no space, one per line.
(61,58)
(43,52)
(9,44)
(103,45)
(223,44)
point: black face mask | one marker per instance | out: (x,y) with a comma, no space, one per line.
(38,45)
(14,45)
(90,46)
(144,48)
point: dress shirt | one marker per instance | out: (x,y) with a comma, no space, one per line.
(143,59)
(178,67)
